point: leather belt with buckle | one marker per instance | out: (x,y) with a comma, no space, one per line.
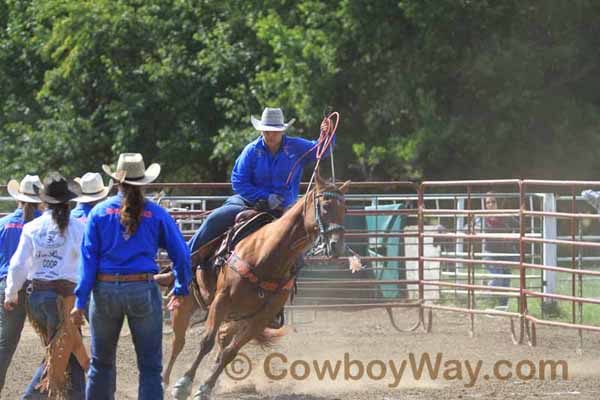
(125,278)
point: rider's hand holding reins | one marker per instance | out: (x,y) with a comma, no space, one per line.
(77,316)
(275,201)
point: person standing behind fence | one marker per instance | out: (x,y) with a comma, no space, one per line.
(11,227)
(122,236)
(49,251)
(592,197)
(494,248)
(92,191)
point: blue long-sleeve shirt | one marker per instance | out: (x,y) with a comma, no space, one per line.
(82,211)
(107,250)
(257,173)
(11,227)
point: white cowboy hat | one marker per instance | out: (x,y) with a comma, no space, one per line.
(25,191)
(131,170)
(92,187)
(271,120)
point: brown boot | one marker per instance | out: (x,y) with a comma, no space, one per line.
(207,283)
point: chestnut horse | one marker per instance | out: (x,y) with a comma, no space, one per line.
(255,282)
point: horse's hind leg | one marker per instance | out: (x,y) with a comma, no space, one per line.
(218,310)
(180,323)
(232,343)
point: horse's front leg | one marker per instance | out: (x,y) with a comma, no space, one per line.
(226,355)
(216,314)
(180,323)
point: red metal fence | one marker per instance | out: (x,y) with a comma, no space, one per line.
(412,291)
(530,286)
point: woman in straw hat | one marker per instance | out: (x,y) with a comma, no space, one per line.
(260,180)
(49,253)
(11,226)
(122,236)
(92,191)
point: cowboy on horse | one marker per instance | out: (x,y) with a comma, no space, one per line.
(266,176)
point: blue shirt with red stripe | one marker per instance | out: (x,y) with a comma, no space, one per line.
(107,249)
(82,211)
(11,227)
(258,173)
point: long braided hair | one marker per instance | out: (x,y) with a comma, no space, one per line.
(132,207)
(60,215)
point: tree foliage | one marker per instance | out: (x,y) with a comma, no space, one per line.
(426,88)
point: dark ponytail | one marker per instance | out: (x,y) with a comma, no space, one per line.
(29,211)
(132,207)
(60,215)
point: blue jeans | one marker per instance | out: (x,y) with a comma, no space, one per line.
(141,302)
(218,222)
(11,325)
(500,270)
(44,311)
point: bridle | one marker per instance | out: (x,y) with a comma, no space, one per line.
(326,228)
(323,228)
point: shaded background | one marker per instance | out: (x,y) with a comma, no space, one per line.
(431,89)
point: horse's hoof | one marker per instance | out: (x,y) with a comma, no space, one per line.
(203,393)
(182,388)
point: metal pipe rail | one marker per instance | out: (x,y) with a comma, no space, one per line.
(471,193)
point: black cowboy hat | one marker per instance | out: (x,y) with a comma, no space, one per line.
(57,189)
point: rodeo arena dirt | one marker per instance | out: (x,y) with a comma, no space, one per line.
(423,316)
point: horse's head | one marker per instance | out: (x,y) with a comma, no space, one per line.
(329,212)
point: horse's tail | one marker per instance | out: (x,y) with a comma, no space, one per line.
(269,336)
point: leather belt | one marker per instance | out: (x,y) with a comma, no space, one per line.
(62,287)
(125,278)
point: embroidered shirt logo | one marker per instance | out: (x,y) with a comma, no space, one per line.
(14,226)
(117,211)
(288,152)
(49,238)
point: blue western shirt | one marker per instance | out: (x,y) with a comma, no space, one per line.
(82,211)
(11,227)
(107,249)
(258,173)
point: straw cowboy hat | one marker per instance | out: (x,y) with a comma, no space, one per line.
(25,191)
(92,187)
(131,170)
(271,120)
(57,189)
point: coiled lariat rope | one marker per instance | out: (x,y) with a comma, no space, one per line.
(323,144)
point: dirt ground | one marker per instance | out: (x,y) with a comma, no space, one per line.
(351,339)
